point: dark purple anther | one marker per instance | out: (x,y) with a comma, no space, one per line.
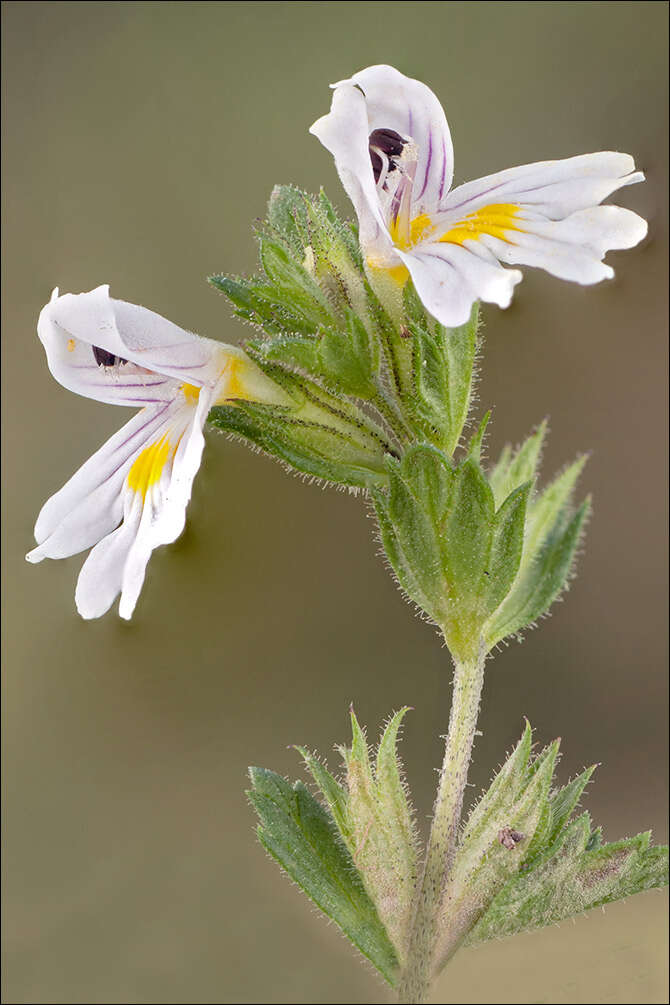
(104,358)
(387,142)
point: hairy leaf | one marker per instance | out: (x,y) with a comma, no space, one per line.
(299,833)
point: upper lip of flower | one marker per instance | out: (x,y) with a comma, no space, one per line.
(393,151)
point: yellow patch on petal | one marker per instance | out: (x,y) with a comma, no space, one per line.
(398,274)
(497,220)
(71,345)
(419,228)
(148,466)
(191,392)
(404,238)
(233,384)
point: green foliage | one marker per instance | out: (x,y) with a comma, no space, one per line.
(320,435)
(574,874)
(454,554)
(356,858)
(513,469)
(374,393)
(374,818)
(300,835)
(522,863)
(380,399)
(554,529)
(344,358)
(319,326)
(481,554)
(442,370)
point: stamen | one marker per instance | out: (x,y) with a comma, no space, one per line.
(384,145)
(388,141)
(105,358)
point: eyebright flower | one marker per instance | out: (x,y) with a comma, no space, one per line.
(393,152)
(131,495)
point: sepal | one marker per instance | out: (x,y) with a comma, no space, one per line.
(380,832)
(321,435)
(344,358)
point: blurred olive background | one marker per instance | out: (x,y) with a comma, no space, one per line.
(141,140)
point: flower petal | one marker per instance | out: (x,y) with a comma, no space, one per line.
(101,575)
(394,101)
(344,132)
(573,248)
(144,475)
(553,188)
(149,357)
(155,492)
(164,509)
(90,504)
(449,279)
(381,98)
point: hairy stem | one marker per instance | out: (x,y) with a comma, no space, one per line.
(416,977)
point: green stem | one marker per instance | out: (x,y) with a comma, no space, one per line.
(416,977)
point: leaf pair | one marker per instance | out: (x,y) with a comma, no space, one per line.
(482,555)
(522,862)
(455,555)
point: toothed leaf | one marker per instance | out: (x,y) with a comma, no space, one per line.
(301,836)
(512,470)
(564,801)
(380,832)
(506,548)
(575,876)
(538,586)
(442,372)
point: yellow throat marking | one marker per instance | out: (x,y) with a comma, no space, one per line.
(191,393)
(496,220)
(148,466)
(233,382)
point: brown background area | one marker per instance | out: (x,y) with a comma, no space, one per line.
(141,139)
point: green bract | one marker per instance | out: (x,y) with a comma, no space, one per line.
(522,861)
(483,556)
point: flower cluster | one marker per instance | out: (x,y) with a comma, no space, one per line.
(449,247)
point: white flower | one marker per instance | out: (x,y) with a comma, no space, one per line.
(131,495)
(393,152)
